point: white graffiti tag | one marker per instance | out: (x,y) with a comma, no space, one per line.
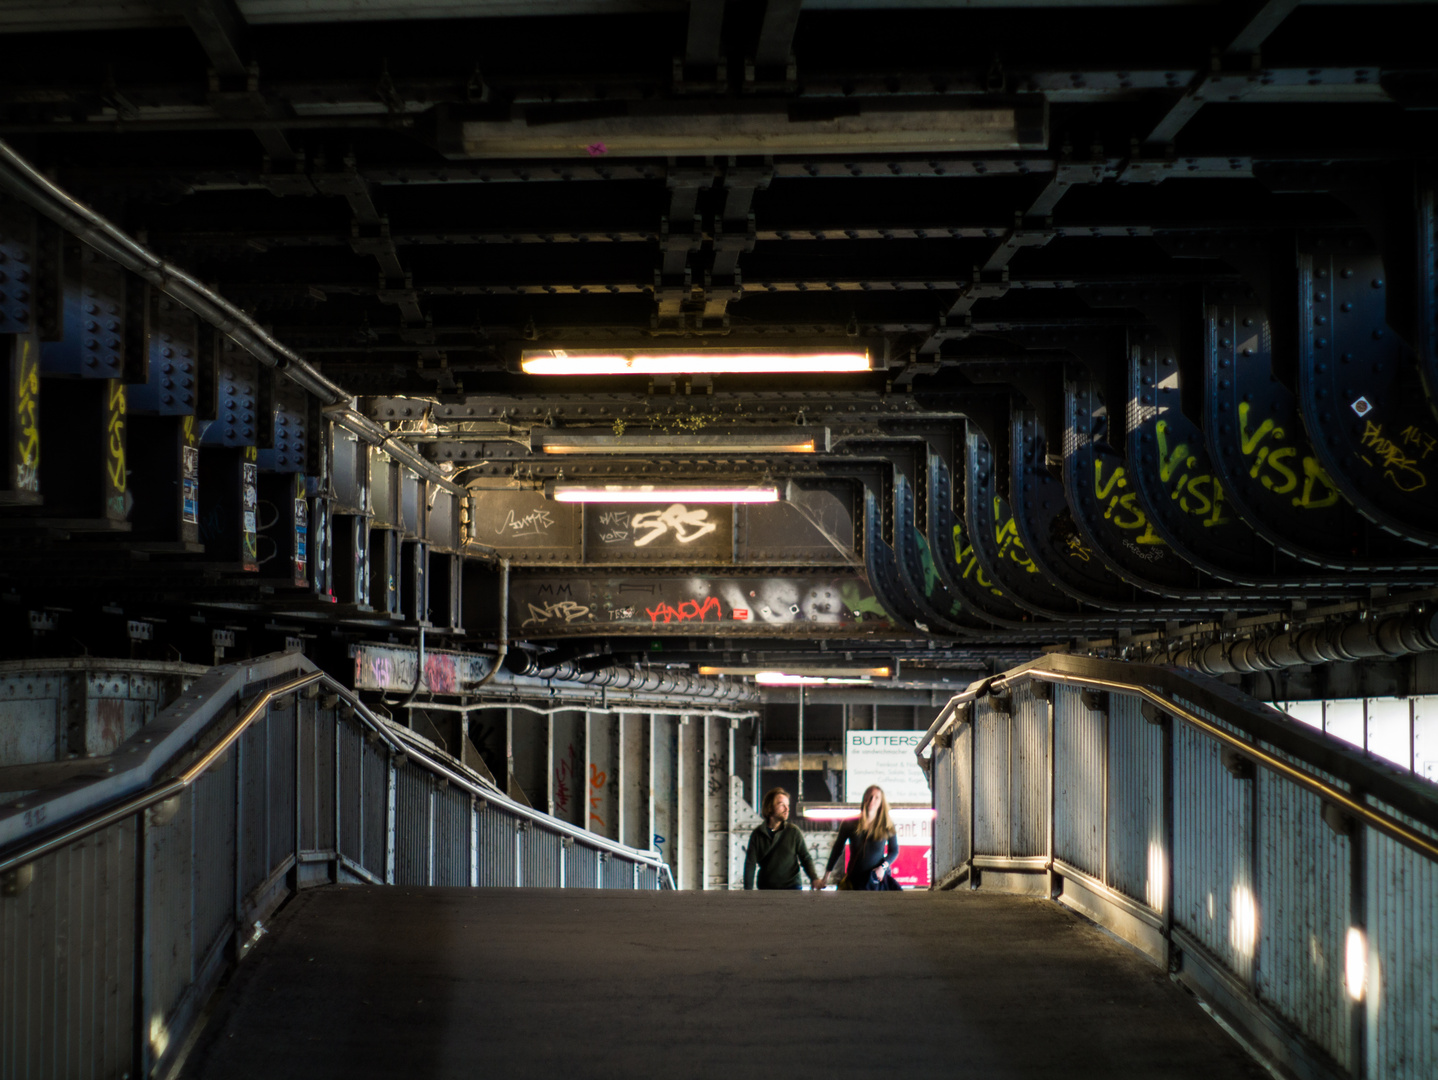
(530,524)
(688,525)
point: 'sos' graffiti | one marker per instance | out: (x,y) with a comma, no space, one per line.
(688,525)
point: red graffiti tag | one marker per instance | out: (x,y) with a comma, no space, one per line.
(687,610)
(440,674)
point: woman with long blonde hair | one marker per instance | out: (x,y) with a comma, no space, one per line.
(873,845)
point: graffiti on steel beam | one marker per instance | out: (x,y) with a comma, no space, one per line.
(534,523)
(388,667)
(27,415)
(708,603)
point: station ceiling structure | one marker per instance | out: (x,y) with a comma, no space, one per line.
(1138,301)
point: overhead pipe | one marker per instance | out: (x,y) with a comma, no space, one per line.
(1357,639)
(38,191)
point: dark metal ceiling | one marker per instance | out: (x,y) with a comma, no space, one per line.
(1150,287)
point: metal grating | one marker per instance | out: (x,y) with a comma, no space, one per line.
(991,782)
(351,794)
(581,867)
(541,856)
(413,801)
(1029,775)
(451,836)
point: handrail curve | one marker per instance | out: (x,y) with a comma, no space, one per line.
(1160,685)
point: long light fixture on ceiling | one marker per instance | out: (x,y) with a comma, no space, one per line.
(696,362)
(797,440)
(657,493)
(782,678)
(812,672)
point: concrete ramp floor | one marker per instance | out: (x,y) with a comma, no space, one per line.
(360,982)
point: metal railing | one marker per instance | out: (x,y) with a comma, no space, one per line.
(262,779)
(1288,879)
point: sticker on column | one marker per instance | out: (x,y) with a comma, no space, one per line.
(190,494)
(249,483)
(1362,406)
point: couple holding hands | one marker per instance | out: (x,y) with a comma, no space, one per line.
(777,851)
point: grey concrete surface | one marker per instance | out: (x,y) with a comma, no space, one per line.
(382,982)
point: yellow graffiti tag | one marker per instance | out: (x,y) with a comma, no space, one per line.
(1121,508)
(968,562)
(1198,494)
(187,431)
(1006,535)
(27,410)
(1412,436)
(1272,464)
(1399,469)
(1076,548)
(116,429)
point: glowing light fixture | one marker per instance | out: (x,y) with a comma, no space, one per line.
(780,678)
(800,440)
(651,493)
(846,813)
(819,672)
(704,362)
(1355,966)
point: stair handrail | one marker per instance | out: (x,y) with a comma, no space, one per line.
(80,827)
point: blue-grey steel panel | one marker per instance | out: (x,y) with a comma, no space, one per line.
(413,791)
(214,858)
(325,780)
(1214,897)
(649,877)
(376,807)
(1303,879)
(618,873)
(541,855)
(1029,774)
(1402,957)
(1137,854)
(254,807)
(1078,782)
(581,867)
(496,847)
(991,781)
(281,781)
(351,743)
(70,939)
(168,908)
(451,836)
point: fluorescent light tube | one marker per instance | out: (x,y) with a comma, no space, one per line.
(799,440)
(819,672)
(703,362)
(650,493)
(780,678)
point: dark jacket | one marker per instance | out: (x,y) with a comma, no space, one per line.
(864,856)
(777,854)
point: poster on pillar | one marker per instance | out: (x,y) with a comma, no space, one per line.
(885,758)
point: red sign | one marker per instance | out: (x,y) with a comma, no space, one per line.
(916,845)
(741,613)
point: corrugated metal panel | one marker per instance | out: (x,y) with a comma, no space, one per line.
(309,779)
(618,872)
(413,790)
(1304,872)
(376,807)
(282,781)
(325,780)
(214,854)
(991,782)
(351,792)
(1136,843)
(70,938)
(168,909)
(541,856)
(649,877)
(254,807)
(941,782)
(1029,775)
(451,836)
(1078,782)
(1214,897)
(496,847)
(1402,958)
(963,793)
(581,867)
